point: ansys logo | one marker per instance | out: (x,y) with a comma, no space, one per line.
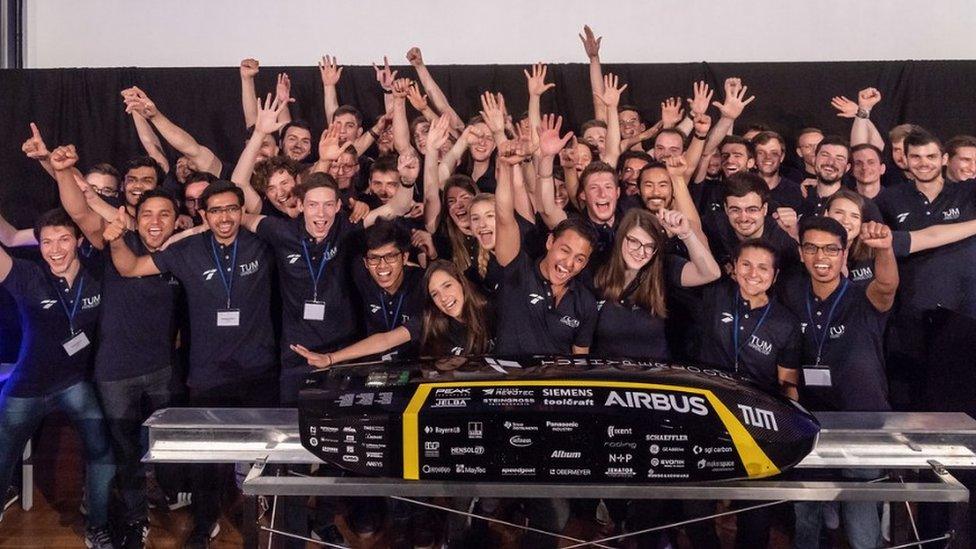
(209,274)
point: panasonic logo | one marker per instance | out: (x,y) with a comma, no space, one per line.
(563,454)
(658,401)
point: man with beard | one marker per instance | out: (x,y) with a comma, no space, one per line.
(831,162)
(134,362)
(961,150)
(737,155)
(770,152)
(629,166)
(296,138)
(745,217)
(226,274)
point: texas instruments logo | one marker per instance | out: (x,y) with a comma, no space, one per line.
(293,258)
(47,303)
(535,298)
(902,217)
(209,274)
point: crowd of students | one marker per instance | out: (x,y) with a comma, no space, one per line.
(428,234)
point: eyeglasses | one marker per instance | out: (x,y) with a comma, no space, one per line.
(232,209)
(751,210)
(105,191)
(391,258)
(635,245)
(830,250)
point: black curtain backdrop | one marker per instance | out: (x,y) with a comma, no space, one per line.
(83,106)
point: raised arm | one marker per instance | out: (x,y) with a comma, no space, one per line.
(126,263)
(12,237)
(697,108)
(940,235)
(265,124)
(493,113)
(699,133)
(200,157)
(863,130)
(329,149)
(436,138)
(702,268)
(249,95)
(63,161)
(731,109)
(591,44)
(681,197)
(419,102)
(881,290)
(150,141)
(398,206)
(35,148)
(611,98)
(550,144)
(508,239)
(401,127)
(330,73)
(537,86)
(441,104)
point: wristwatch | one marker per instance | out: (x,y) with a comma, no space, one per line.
(862,113)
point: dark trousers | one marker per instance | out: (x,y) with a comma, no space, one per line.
(207,480)
(127,403)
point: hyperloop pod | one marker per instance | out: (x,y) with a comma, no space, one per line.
(550,419)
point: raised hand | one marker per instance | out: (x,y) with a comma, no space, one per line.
(267,119)
(423,241)
(329,70)
(401,87)
(414,56)
(136,101)
(611,93)
(283,89)
(875,235)
(568,155)
(701,98)
(591,43)
(329,144)
(440,128)
(493,111)
(788,220)
(64,158)
(34,147)
(677,166)
(549,141)
(845,107)
(674,223)
(249,68)
(385,76)
(537,79)
(114,230)
(702,123)
(735,101)
(868,98)
(418,100)
(671,112)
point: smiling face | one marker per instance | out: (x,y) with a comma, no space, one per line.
(667,145)
(349,127)
(482,218)
(597,137)
(629,174)
(191,197)
(818,256)
(925,162)
(565,257)
(962,165)
(747,215)
(420,135)
(156,221)
(458,200)
(385,265)
(630,124)
(754,271)
(868,168)
(268,149)
(383,185)
(735,158)
(848,214)
(583,157)
(280,189)
(806,147)
(600,193)
(137,181)
(831,163)
(344,169)
(482,143)
(655,189)
(562,194)
(769,156)
(59,248)
(447,293)
(297,143)
(319,209)
(637,248)
(223,215)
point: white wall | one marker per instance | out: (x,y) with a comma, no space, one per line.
(182,33)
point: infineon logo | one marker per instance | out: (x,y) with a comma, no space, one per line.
(520,441)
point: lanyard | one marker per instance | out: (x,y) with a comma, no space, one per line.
(820,336)
(396,313)
(227,280)
(735,327)
(74,307)
(316,275)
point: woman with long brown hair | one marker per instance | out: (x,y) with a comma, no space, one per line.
(633,282)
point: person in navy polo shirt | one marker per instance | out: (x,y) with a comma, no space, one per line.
(832,161)
(59,305)
(842,327)
(226,274)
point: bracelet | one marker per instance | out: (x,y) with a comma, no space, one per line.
(702,137)
(373,133)
(544,176)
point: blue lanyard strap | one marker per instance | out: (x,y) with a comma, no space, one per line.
(227,280)
(396,314)
(820,336)
(74,306)
(316,275)
(735,326)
